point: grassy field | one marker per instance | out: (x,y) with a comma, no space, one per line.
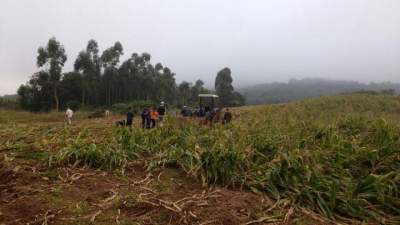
(331,160)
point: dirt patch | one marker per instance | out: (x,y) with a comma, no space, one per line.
(82,196)
(136,209)
(22,210)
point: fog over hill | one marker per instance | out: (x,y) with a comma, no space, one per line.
(297,89)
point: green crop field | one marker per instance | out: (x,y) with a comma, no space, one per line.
(329,160)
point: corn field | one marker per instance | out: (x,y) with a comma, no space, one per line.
(337,156)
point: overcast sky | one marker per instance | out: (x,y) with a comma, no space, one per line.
(260,40)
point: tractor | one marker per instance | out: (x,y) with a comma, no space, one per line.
(207,102)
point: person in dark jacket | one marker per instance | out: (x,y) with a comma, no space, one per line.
(129,118)
(146,118)
(227,117)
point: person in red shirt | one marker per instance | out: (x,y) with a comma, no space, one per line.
(154,117)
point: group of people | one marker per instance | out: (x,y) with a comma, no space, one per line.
(214,116)
(150,116)
(211,115)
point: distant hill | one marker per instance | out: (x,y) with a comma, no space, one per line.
(305,88)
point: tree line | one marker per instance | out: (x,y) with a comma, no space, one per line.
(101,80)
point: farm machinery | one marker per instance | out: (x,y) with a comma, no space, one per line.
(207,103)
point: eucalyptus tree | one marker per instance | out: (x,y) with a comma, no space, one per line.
(36,94)
(100,79)
(71,87)
(51,59)
(170,86)
(184,92)
(225,90)
(88,64)
(196,89)
(109,61)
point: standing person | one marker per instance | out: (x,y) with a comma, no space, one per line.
(148,119)
(161,111)
(69,114)
(209,118)
(129,118)
(154,117)
(227,117)
(144,115)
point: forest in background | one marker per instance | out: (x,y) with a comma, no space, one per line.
(298,89)
(100,80)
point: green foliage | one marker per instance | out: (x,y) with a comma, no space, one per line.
(329,155)
(337,156)
(225,90)
(36,95)
(101,80)
(188,94)
(42,91)
(53,55)
(82,151)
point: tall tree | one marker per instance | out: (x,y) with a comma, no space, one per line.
(99,80)
(36,95)
(53,58)
(71,87)
(225,90)
(110,60)
(184,92)
(88,64)
(195,90)
(223,86)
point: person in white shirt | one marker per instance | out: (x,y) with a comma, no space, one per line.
(68,114)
